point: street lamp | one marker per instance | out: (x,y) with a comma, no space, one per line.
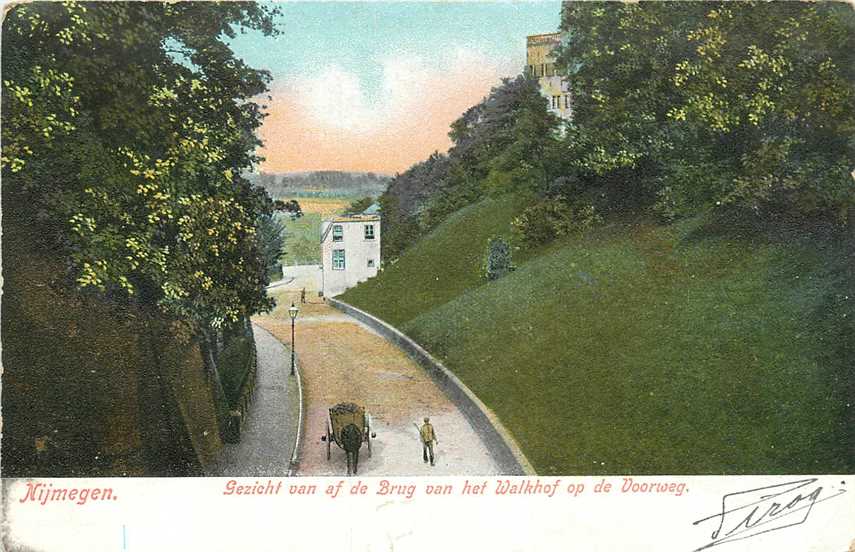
(293,313)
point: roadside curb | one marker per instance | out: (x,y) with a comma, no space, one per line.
(498,439)
(298,442)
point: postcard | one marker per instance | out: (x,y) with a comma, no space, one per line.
(514,276)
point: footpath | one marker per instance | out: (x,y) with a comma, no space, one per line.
(270,430)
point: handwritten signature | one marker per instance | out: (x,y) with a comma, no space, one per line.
(746,514)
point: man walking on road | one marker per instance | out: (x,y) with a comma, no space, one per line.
(428,439)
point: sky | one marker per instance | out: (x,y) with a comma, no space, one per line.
(373,86)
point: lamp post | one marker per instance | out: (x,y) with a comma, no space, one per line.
(292,311)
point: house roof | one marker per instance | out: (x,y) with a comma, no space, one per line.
(355,218)
(346,218)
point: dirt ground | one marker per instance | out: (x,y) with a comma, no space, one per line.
(323,205)
(342,360)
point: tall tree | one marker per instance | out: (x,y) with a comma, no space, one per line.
(740,106)
(126,127)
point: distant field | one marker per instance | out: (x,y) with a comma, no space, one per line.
(323,206)
(302,241)
(331,184)
(342,195)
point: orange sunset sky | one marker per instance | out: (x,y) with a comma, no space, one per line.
(375,86)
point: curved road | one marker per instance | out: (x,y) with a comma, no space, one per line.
(342,360)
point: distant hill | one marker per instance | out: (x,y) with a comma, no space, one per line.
(321,184)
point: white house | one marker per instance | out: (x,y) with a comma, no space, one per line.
(350,249)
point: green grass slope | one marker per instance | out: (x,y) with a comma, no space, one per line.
(439,267)
(302,239)
(640,349)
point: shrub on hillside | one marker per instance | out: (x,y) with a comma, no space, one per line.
(550,218)
(498,261)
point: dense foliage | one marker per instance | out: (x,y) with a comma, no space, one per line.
(359,205)
(271,238)
(745,107)
(291,206)
(507,142)
(126,127)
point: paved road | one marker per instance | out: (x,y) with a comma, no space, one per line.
(298,277)
(344,361)
(271,427)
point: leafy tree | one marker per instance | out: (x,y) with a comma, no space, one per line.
(506,143)
(126,127)
(271,236)
(404,202)
(154,146)
(529,161)
(360,205)
(739,106)
(492,137)
(291,206)
(400,229)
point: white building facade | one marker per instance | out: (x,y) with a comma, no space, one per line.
(350,252)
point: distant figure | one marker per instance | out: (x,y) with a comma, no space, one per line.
(303,296)
(428,439)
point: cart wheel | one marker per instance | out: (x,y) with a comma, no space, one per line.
(329,438)
(368,433)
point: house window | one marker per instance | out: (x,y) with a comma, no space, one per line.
(370,263)
(337,234)
(338,259)
(369,231)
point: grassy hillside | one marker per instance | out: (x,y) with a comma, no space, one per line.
(640,349)
(302,235)
(302,239)
(439,267)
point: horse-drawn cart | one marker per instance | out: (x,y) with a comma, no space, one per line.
(348,426)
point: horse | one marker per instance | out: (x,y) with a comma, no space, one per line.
(351,437)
